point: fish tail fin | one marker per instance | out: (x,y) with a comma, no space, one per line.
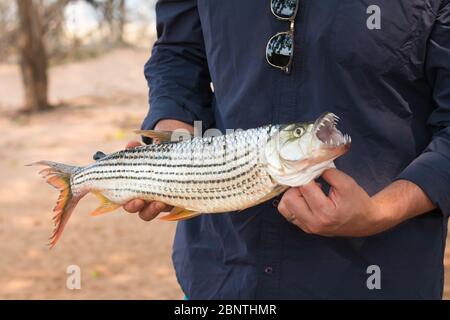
(58,175)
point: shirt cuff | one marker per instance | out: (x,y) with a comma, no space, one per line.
(431,172)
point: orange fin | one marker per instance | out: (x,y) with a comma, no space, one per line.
(178,214)
(161,136)
(58,175)
(164,136)
(106,205)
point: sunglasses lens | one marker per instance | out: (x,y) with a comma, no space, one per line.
(279,50)
(284,9)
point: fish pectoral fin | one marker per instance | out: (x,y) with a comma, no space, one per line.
(275,192)
(178,214)
(106,205)
(161,136)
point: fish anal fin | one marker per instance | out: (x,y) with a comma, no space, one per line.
(178,214)
(106,205)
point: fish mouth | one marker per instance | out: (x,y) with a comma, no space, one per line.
(327,133)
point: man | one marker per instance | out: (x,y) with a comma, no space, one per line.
(384,67)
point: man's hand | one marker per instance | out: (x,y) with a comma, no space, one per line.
(348,210)
(150,210)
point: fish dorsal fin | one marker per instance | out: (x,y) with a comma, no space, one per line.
(178,214)
(165,136)
(106,205)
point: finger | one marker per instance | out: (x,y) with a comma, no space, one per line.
(335,177)
(298,217)
(316,198)
(293,206)
(133,144)
(152,210)
(134,206)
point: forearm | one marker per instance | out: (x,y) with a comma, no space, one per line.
(400,201)
(177,72)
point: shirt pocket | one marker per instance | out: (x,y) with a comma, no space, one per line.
(378,50)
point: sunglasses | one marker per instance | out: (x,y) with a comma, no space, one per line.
(280,48)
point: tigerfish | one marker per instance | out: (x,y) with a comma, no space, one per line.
(225,173)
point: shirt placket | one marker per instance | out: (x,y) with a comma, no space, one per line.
(286,110)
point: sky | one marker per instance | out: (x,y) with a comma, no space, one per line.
(82,17)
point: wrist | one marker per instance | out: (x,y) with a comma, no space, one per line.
(384,214)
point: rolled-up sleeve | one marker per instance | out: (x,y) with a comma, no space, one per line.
(431,170)
(177,72)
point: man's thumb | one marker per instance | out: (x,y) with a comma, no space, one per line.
(133,144)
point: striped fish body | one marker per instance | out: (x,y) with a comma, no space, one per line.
(211,174)
(202,175)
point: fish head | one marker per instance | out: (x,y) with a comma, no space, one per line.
(299,152)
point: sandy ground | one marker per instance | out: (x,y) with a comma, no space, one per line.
(120,256)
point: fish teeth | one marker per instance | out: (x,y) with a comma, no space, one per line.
(347,139)
(333,118)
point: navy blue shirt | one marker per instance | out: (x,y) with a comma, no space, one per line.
(390,86)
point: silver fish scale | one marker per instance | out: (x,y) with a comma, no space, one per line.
(211,174)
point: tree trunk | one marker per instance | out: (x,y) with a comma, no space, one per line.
(122,20)
(33,58)
(108,17)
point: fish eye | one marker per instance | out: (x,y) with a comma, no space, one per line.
(298,132)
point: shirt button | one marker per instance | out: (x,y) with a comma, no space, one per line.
(275,203)
(268,270)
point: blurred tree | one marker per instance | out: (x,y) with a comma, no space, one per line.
(53,19)
(53,27)
(122,20)
(34,32)
(114,13)
(33,57)
(8,28)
